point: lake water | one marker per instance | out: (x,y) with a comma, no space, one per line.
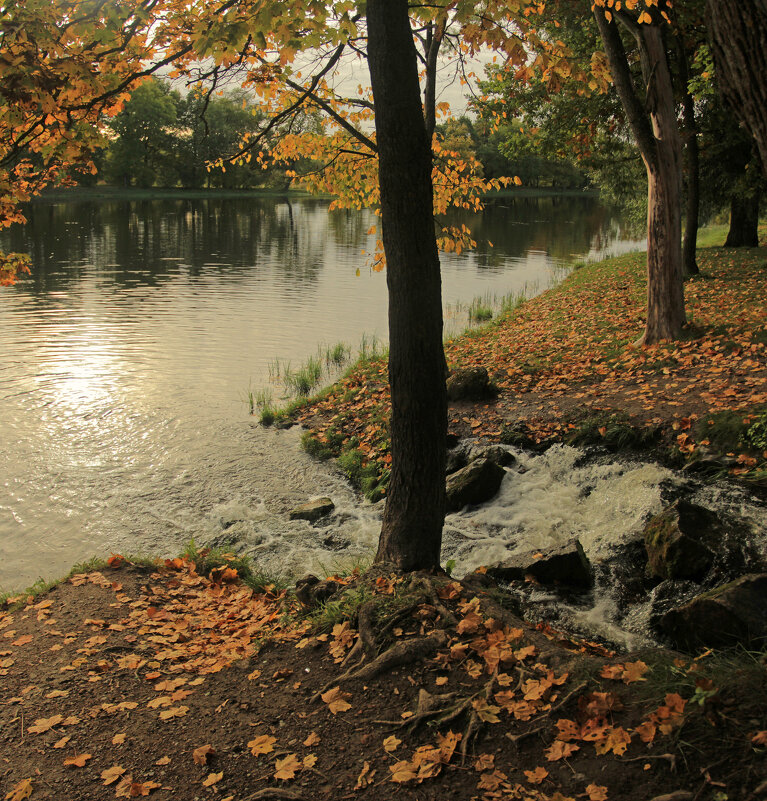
(127,357)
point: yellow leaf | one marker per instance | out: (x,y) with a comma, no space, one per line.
(174,712)
(263,744)
(286,768)
(21,791)
(596,792)
(201,754)
(43,724)
(310,760)
(390,744)
(536,776)
(312,739)
(403,771)
(77,761)
(111,775)
(118,739)
(213,778)
(336,700)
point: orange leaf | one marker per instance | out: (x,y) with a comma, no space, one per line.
(596,792)
(77,761)
(263,744)
(201,754)
(112,774)
(336,700)
(21,791)
(390,744)
(536,776)
(43,724)
(286,768)
(213,778)
(312,739)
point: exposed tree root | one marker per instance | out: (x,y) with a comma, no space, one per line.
(518,738)
(401,653)
(275,794)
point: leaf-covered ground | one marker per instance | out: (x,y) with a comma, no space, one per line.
(566,370)
(131,682)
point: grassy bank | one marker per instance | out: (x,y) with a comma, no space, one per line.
(566,370)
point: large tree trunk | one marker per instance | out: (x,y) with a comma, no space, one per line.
(744,222)
(661,149)
(411,534)
(738,33)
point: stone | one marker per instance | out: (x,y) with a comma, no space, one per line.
(472,383)
(313,510)
(675,541)
(495,453)
(456,459)
(565,564)
(312,592)
(731,614)
(476,483)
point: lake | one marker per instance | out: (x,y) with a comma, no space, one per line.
(129,353)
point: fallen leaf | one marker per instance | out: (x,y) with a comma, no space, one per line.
(118,739)
(111,775)
(201,754)
(286,768)
(441,681)
(365,778)
(62,742)
(596,792)
(390,744)
(536,776)
(263,744)
(560,750)
(44,724)
(336,700)
(77,761)
(213,778)
(310,760)
(312,739)
(163,761)
(57,694)
(403,771)
(484,763)
(760,738)
(174,712)
(491,781)
(21,791)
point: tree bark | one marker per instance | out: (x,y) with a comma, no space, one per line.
(411,534)
(737,31)
(692,161)
(654,124)
(744,222)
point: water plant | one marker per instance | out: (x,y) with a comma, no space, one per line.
(337,354)
(479,312)
(306,378)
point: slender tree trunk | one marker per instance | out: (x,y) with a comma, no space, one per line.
(657,136)
(737,31)
(411,533)
(692,160)
(744,222)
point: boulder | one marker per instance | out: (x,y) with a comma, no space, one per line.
(675,541)
(495,453)
(456,459)
(731,614)
(313,510)
(476,483)
(472,383)
(312,592)
(565,564)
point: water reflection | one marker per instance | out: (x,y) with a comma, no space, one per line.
(127,354)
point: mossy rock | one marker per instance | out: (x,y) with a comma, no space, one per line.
(675,541)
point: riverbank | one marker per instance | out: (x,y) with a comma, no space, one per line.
(565,370)
(171,681)
(104,192)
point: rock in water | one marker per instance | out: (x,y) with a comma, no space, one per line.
(313,510)
(734,613)
(565,564)
(472,383)
(675,541)
(476,483)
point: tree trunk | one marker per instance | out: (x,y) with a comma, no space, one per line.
(411,534)
(738,33)
(744,222)
(660,146)
(692,160)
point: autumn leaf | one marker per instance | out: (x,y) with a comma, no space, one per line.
(491,781)
(112,774)
(310,760)
(336,700)
(21,791)
(118,739)
(174,712)
(201,754)
(44,724)
(365,778)
(760,738)
(536,776)
(212,778)
(390,744)
(163,761)
(57,694)
(596,792)
(617,741)
(312,739)
(403,771)
(62,742)
(127,788)
(286,768)
(484,762)
(263,744)
(634,671)
(560,750)
(486,712)
(77,761)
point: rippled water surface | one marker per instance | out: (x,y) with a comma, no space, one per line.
(127,357)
